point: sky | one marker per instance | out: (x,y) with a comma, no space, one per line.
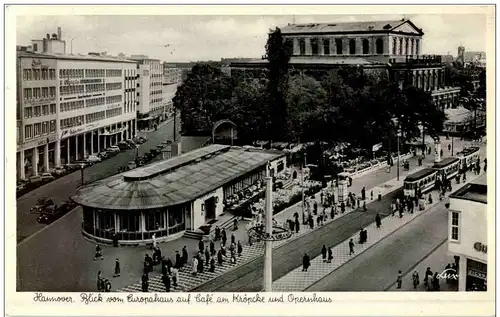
(196,38)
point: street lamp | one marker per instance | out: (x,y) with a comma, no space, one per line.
(398,134)
(302,186)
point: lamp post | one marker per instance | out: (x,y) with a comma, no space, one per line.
(268,258)
(302,186)
(81,173)
(398,155)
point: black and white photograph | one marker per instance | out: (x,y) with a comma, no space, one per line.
(253,152)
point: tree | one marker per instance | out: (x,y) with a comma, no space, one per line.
(203,98)
(278,52)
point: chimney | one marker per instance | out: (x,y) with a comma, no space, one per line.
(59,33)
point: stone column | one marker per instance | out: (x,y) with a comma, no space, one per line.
(345,46)
(68,158)
(98,141)
(76,148)
(417,46)
(333,47)
(34,161)
(117,222)
(46,166)
(142,219)
(359,46)
(84,145)
(307,41)
(92,142)
(21,171)
(296,46)
(57,153)
(321,48)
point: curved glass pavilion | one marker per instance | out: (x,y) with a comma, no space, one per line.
(169,197)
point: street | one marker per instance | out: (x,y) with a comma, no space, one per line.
(63,188)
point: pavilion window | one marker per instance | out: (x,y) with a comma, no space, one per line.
(177,219)
(401,46)
(302,46)
(105,219)
(366,47)
(394,46)
(155,220)
(314,46)
(130,221)
(352,47)
(326,47)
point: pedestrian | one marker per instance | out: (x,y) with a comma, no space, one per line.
(400,280)
(164,269)
(100,283)
(166,282)
(323,253)
(98,253)
(153,237)
(297,225)
(212,247)
(145,282)
(365,235)
(207,256)
(393,208)
(240,248)
(435,282)
(291,224)
(371,195)
(175,277)
(184,256)
(212,265)
(363,193)
(364,206)
(117,268)
(379,196)
(441,153)
(250,242)
(318,220)
(194,269)
(233,239)
(332,212)
(306,262)
(359,202)
(416,279)
(342,207)
(178,260)
(235,224)
(430,198)
(200,264)
(107,285)
(321,197)
(378,220)
(330,255)
(351,247)
(217,233)
(219,257)
(400,212)
(485,166)
(311,222)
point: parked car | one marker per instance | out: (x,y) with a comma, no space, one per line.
(35,179)
(160,146)
(53,212)
(59,171)
(140,140)
(93,159)
(20,187)
(41,204)
(103,155)
(73,167)
(113,149)
(123,145)
(47,177)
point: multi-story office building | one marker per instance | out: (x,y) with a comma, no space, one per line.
(70,106)
(468,238)
(392,47)
(149,91)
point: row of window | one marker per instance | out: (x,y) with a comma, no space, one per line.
(72,105)
(39,111)
(156,92)
(37,93)
(113,86)
(89,73)
(96,116)
(94,87)
(39,74)
(113,73)
(95,102)
(71,122)
(155,83)
(113,99)
(38,129)
(113,112)
(156,100)
(339,48)
(71,90)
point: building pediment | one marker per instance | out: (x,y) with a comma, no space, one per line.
(407,27)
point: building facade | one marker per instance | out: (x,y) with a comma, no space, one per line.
(71,106)
(151,107)
(468,238)
(391,47)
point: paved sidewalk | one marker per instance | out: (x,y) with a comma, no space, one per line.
(297,280)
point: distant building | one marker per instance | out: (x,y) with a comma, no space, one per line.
(468,234)
(151,107)
(390,47)
(70,106)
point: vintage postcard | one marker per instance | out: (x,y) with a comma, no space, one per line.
(250,160)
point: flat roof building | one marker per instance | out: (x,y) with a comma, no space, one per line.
(169,197)
(468,234)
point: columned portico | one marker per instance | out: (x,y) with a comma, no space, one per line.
(34,161)
(84,146)
(46,166)
(57,153)
(76,148)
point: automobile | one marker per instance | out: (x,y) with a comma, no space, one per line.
(41,204)
(103,155)
(53,212)
(73,167)
(140,139)
(20,187)
(59,171)
(160,146)
(93,159)
(167,142)
(35,179)
(82,164)
(123,145)
(131,142)
(131,165)
(47,177)
(113,149)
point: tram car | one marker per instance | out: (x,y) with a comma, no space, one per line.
(468,157)
(448,168)
(424,180)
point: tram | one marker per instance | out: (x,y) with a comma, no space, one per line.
(448,168)
(421,181)
(468,157)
